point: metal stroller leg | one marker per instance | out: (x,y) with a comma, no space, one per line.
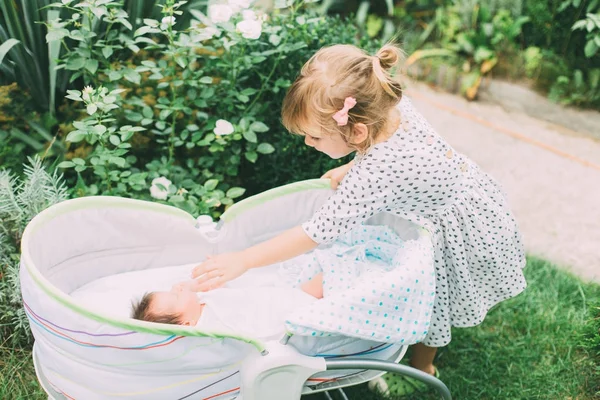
(357,363)
(344,397)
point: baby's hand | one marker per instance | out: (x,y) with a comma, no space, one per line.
(218,270)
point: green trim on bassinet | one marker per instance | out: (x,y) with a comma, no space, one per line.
(108,201)
(64,299)
(256,200)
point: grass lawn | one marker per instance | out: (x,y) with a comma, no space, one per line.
(544,344)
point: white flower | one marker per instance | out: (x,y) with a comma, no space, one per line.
(249,15)
(223,128)
(240,4)
(219,13)
(250,29)
(86,92)
(168,21)
(160,192)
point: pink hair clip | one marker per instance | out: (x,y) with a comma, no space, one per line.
(342,116)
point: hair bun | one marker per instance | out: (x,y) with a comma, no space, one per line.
(389,55)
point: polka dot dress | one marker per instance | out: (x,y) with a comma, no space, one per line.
(416,175)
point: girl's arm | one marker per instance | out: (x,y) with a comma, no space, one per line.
(289,244)
(217,270)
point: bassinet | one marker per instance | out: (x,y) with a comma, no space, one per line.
(81,353)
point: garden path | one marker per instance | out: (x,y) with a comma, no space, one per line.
(550,172)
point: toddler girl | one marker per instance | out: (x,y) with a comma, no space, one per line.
(347,101)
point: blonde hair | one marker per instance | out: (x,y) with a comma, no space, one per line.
(335,73)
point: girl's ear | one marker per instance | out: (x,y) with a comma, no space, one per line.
(360,133)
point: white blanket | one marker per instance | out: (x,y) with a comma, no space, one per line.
(254,312)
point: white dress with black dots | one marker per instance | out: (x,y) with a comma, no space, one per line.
(416,175)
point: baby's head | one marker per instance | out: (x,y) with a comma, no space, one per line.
(333,75)
(176,307)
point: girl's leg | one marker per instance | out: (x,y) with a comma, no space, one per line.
(314,287)
(422,358)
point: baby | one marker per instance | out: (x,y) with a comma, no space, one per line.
(257,311)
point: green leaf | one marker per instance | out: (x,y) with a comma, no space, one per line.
(250,136)
(181,61)
(590,49)
(118,161)
(147,112)
(151,22)
(92,66)
(211,184)
(66,164)
(82,126)
(133,116)
(274,40)
(75,136)
(78,161)
(176,199)
(77,35)
(248,92)
(259,127)
(265,148)
(114,75)
(107,52)
(74,64)
(143,30)
(251,156)
(235,192)
(579,24)
(164,114)
(114,139)
(133,76)
(6,46)
(91,109)
(57,34)
(99,129)
(206,80)
(74,95)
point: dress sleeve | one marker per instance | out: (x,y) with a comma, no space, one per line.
(412,182)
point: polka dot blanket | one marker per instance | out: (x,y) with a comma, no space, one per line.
(375,287)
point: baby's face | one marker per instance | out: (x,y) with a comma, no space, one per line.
(180,302)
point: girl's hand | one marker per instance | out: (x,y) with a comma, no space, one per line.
(337,174)
(218,270)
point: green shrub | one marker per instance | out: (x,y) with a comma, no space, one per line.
(200,106)
(29,58)
(20,201)
(578,89)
